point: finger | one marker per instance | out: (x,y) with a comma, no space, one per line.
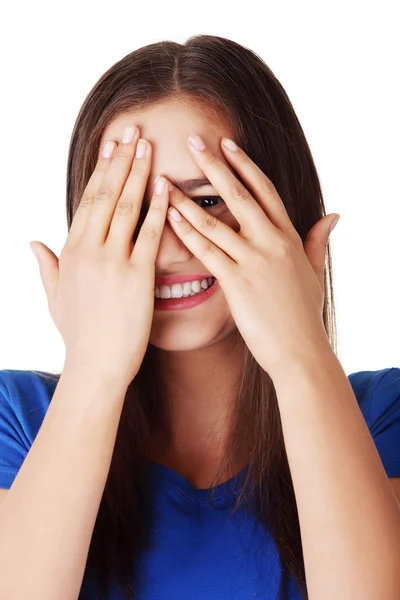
(212,257)
(240,202)
(209,226)
(127,211)
(110,189)
(260,186)
(148,240)
(81,215)
(49,273)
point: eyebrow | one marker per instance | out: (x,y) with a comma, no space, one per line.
(187,185)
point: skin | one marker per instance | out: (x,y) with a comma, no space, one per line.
(195,346)
(349,517)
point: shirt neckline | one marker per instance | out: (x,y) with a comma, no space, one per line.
(224,490)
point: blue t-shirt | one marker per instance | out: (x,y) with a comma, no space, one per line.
(198,552)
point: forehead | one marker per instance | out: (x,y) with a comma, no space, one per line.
(170,119)
(167,125)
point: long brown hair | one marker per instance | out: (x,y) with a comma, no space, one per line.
(234,82)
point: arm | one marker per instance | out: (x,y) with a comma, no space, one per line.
(349,516)
(48,515)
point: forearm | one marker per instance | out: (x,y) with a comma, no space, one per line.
(48,515)
(349,516)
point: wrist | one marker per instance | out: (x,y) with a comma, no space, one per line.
(78,368)
(313,357)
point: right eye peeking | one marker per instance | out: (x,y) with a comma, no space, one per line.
(208,200)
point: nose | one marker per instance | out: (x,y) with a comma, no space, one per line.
(171,251)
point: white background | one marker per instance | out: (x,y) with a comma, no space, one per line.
(339,64)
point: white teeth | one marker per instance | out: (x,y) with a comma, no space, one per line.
(187,288)
(165,291)
(196,285)
(178,290)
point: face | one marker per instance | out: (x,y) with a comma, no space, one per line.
(167,127)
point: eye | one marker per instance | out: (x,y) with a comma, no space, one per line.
(208,201)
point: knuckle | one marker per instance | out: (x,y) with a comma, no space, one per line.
(268,186)
(123,153)
(239,192)
(104,193)
(209,248)
(149,232)
(156,207)
(283,249)
(101,168)
(210,159)
(123,207)
(74,251)
(209,222)
(139,168)
(72,255)
(189,229)
(86,200)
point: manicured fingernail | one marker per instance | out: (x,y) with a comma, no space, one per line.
(129,134)
(108,149)
(141,148)
(173,214)
(160,185)
(197,142)
(230,144)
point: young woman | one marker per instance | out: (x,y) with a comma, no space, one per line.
(202,439)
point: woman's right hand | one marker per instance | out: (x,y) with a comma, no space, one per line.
(101,291)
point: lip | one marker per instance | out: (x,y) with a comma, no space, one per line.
(171,279)
(185,303)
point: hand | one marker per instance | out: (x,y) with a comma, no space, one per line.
(101,291)
(273,285)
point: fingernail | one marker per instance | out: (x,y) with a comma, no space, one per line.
(108,149)
(230,144)
(33,248)
(196,141)
(173,213)
(129,134)
(160,185)
(334,223)
(141,148)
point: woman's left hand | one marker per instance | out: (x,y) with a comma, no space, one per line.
(274,285)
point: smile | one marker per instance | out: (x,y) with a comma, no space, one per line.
(206,288)
(183,290)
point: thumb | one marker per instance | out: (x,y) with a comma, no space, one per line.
(317,241)
(49,269)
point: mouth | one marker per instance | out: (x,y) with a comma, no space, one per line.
(184,290)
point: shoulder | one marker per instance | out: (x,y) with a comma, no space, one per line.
(377,393)
(24,399)
(378,396)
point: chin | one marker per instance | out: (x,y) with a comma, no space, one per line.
(188,334)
